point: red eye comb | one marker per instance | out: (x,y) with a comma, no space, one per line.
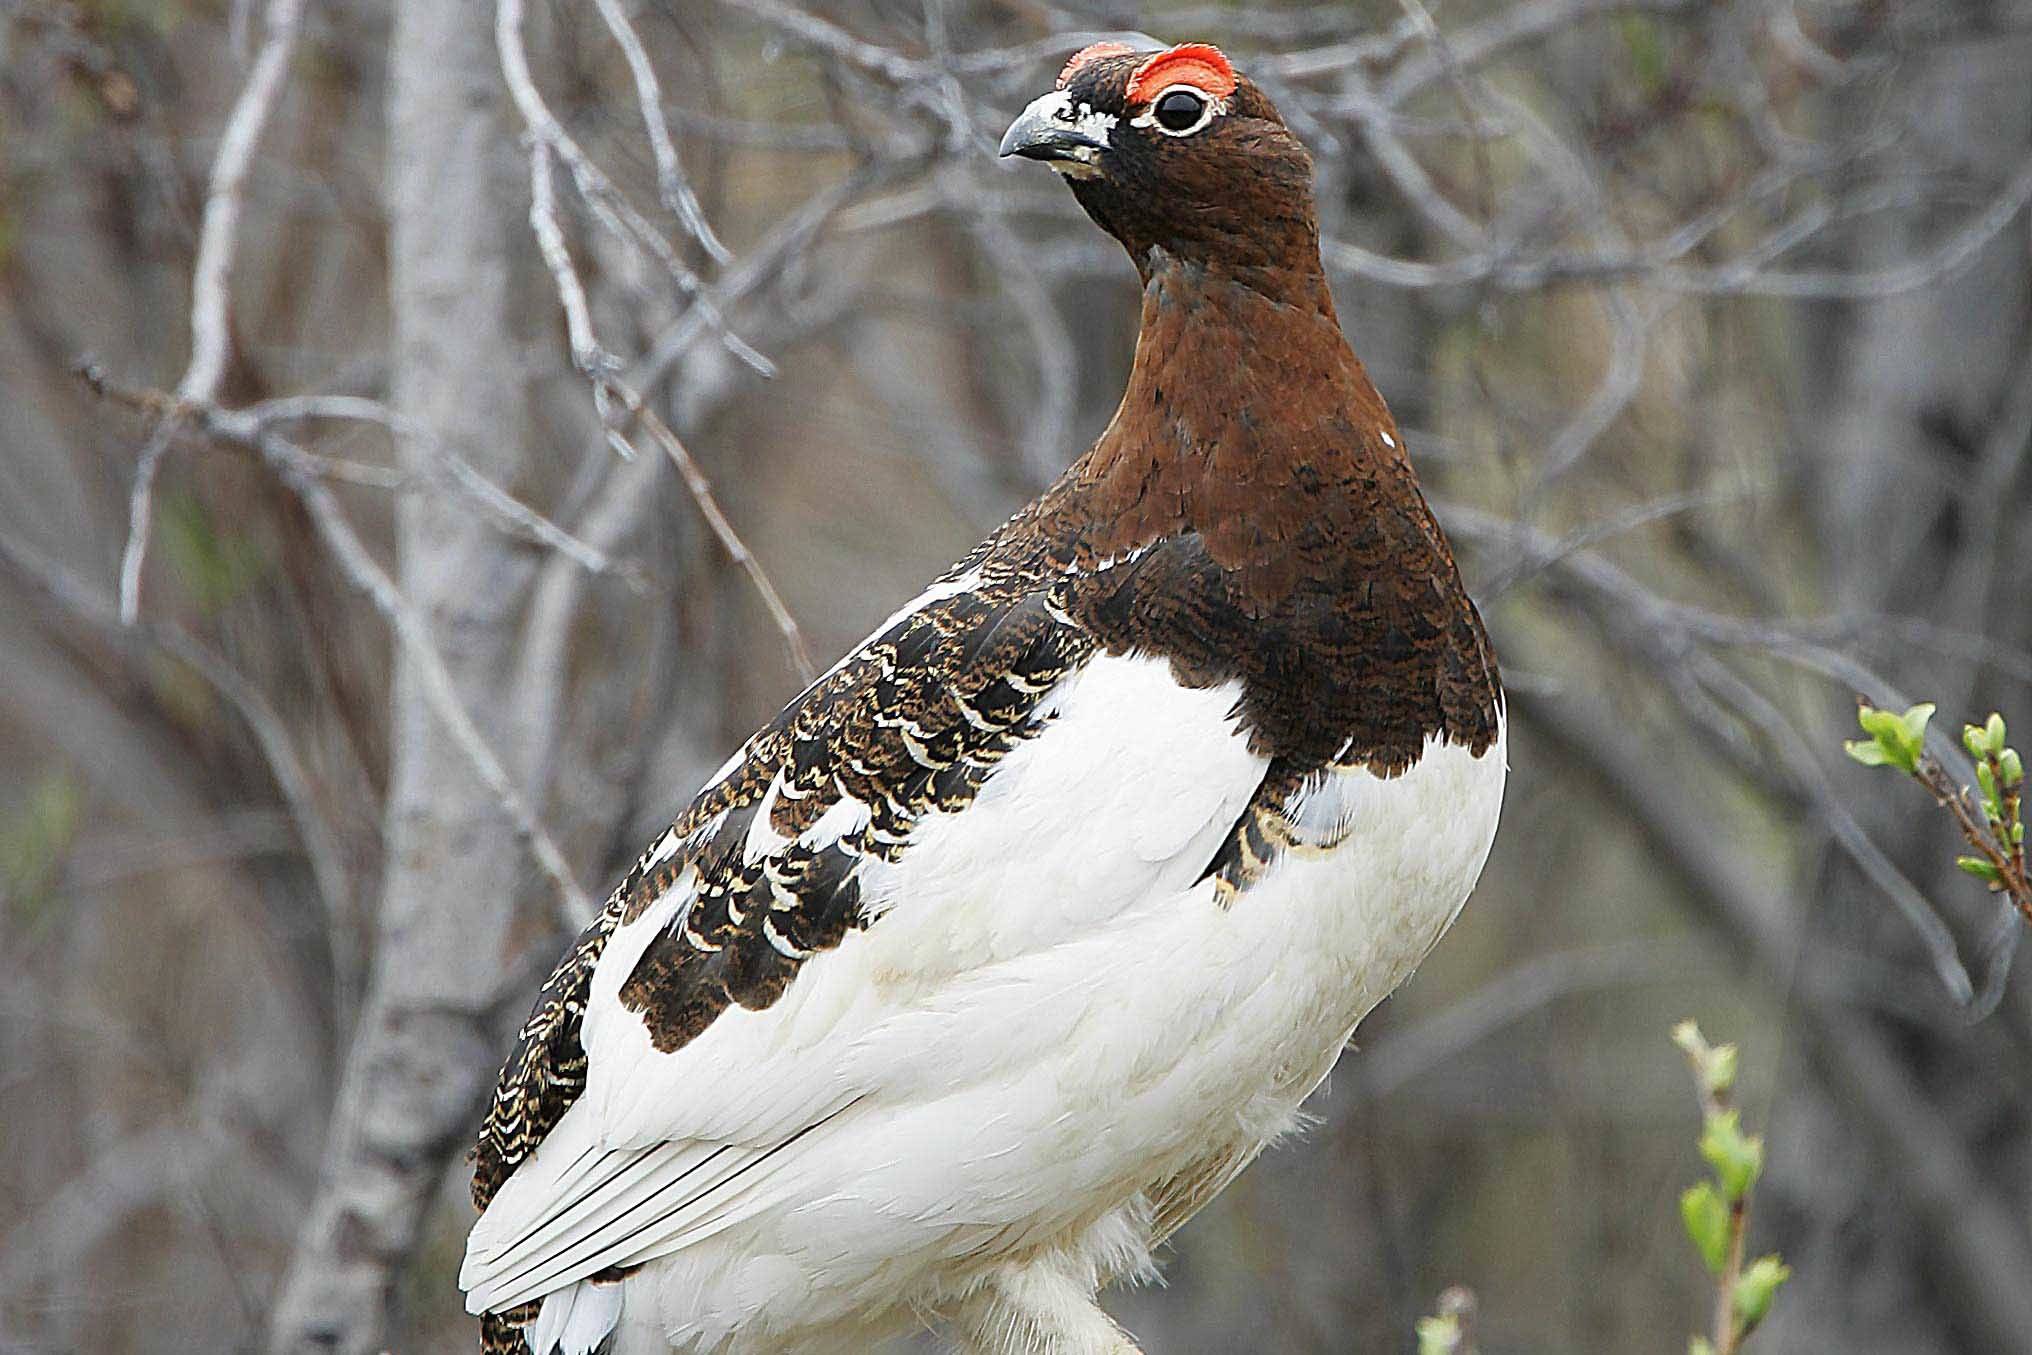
(1198,64)
(1089,53)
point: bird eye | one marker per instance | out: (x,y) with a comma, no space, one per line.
(1179,111)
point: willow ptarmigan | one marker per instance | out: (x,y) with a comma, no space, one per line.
(1009,943)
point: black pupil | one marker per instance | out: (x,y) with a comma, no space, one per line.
(1178,110)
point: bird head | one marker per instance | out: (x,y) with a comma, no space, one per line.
(1175,154)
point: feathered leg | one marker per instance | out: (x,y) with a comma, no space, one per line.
(1038,1310)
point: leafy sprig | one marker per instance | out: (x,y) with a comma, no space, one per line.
(1990,816)
(1716,1212)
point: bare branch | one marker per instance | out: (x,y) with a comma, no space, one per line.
(1715,699)
(723,530)
(1652,265)
(1505,28)
(1402,1056)
(587,355)
(606,201)
(140,514)
(1622,378)
(440,690)
(787,241)
(835,41)
(320,841)
(671,183)
(210,279)
(1396,160)
(600,367)
(299,471)
(505,509)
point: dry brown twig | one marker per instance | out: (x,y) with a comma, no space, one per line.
(2006,859)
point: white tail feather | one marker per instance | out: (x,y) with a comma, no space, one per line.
(575,1320)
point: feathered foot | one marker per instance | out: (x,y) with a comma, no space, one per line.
(1038,1310)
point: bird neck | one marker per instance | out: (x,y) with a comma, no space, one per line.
(1250,515)
(1282,268)
(1246,413)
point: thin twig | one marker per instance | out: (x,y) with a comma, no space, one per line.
(216,241)
(607,203)
(1504,29)
(513,515)
(319,840)
(210,281)
(1456,78)
(730,540)
(1652,265)
(1668,632)
(837,42)
(2007,859)
(786,242)
(1048,430)
(600,367)
(436,681)
(671,183)
(299,471)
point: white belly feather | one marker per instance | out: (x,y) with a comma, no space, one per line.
(1051,1016)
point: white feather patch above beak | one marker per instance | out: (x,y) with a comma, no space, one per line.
(1068,136)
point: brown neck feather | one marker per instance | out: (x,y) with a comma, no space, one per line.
(1263,523)
(1247,417)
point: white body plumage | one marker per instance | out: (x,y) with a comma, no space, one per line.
(1053,1044)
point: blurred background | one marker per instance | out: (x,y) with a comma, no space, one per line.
(429,435)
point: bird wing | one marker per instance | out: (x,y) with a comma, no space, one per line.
(974,783)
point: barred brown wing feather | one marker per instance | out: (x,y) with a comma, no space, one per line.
(910,723)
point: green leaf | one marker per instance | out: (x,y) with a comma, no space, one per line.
(1976,741)
(1981,869)
(1438,1335)
(1688,1037)
(1699,1345)
(1707,1224)
(1737,1158)
(1869,754)
(1897,743)
(1756,1287)
(2012,766)
(1993,733)
(1988,781)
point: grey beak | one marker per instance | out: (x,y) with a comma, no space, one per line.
(1037,134)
